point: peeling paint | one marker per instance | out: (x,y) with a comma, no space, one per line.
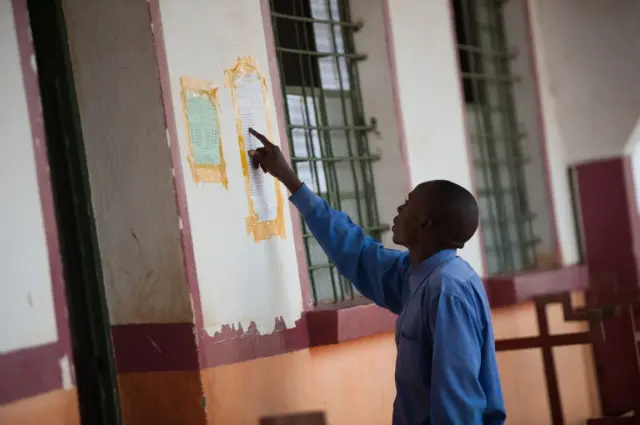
(191,303)
(262,327)
(242,284)
(66,372)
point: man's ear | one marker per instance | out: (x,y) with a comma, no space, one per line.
(425,222)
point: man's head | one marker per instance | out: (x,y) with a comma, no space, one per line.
(437,213)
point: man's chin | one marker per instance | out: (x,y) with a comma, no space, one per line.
(396,239)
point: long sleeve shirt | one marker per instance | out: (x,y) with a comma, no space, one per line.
(446,371)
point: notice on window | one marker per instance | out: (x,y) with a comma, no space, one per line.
(264,197)
(202,125)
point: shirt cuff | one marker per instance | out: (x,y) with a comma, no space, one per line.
(305,200)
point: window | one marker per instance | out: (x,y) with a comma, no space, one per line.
(326,122)
(496,137)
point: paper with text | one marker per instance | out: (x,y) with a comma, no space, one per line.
(203,129)
(252,115)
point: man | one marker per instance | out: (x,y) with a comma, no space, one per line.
(446,370)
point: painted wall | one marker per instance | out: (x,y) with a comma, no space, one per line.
(128,160)
(588,73)
(27,316)
(430,99)
(336,380)
(130,172)
(589,89)
(36,382)
(240,281)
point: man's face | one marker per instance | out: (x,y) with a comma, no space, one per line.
(409,224)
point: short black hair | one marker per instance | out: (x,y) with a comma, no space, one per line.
(453,210)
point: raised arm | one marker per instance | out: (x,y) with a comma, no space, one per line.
(378,273)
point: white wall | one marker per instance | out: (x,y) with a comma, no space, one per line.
(587,59)
(390,173)
(128,158)
(588,52)
(27,316)
(240,281)
(430,98)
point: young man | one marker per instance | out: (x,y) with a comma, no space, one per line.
(446,372)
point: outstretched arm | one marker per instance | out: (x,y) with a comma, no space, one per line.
(378,273)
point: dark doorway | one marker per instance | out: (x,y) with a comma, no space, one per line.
(88,316)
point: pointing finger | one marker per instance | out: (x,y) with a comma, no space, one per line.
(255,158)
(261,137)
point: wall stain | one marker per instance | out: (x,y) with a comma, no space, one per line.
(135,237)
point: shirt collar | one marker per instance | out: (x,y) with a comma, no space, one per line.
(420,272)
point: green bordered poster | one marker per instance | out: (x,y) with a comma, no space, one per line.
(202,124)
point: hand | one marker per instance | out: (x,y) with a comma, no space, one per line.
(270,159)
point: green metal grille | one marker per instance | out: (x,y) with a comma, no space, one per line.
(496,137)
(326,122)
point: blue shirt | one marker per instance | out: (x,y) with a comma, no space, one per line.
(446,371)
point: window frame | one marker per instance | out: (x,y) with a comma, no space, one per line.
(318,91)
(342,321)
(495,146)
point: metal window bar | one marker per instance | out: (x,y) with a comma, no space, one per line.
(506,219)
(326,124)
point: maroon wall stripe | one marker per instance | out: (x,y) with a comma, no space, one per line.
(510,290)
(155,347)
(26,373)
(171,346)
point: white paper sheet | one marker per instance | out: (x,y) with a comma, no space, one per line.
(253,115)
